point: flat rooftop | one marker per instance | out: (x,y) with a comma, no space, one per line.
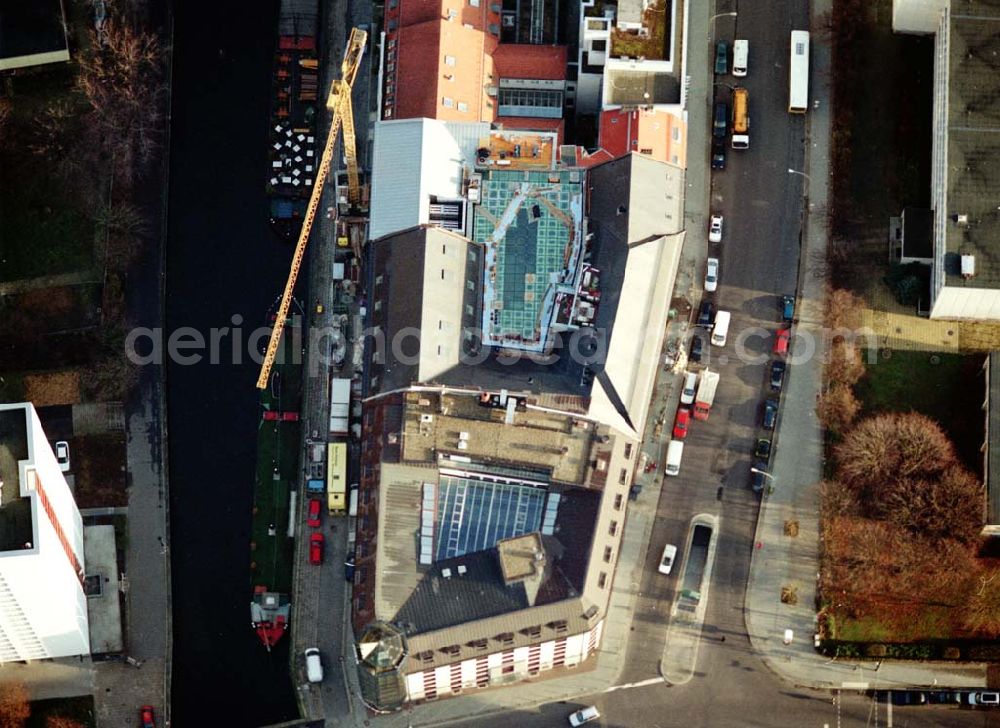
(530,225)
(31,33)
(640,86)
(557,446)
(518,150)
(15,511)
(973,185)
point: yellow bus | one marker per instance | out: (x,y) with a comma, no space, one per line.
(336,478)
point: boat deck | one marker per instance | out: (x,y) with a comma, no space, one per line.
(277,472)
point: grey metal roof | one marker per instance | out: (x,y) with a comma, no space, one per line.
(973,144)
(413,159)
(480,592)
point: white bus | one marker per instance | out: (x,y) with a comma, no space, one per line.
(798,73)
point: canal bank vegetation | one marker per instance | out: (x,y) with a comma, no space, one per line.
(82,140)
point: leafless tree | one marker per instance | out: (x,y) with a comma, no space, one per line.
(843,310)
(15,706)
(837,408)
(123,81)
(6,109)
(890,447)
(950,506)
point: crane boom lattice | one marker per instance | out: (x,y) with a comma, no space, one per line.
(339,104)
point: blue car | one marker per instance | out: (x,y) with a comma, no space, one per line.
(721,58)
(770,413)
(787,308)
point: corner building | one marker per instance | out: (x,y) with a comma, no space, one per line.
(513,353)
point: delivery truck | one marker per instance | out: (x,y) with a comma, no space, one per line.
(706,394)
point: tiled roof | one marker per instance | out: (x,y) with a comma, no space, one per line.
(617,131)
(648,132)
(452,89)
(514,60)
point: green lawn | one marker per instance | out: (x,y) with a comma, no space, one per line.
(946,387)
(932,623)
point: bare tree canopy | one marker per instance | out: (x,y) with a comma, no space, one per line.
(123,81)
(15,708)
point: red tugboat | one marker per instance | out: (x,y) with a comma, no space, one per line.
(269,613)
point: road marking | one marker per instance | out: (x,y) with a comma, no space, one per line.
(640,684)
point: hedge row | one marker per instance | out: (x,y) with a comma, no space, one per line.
(970,651)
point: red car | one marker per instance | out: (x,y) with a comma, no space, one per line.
(781,341)
(314,511)
(146,716)
(681,423)
(316,549)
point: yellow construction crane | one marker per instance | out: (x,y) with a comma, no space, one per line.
(339,105)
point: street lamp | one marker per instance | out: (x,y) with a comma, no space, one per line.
(795,171)
(711,21)
(731,14)
(762,472)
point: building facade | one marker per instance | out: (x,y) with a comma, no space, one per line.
(43,608)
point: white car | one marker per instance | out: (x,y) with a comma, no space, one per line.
(715,229)
(712,275)
(62,455)
(583,716)
(667,560)
(688,390)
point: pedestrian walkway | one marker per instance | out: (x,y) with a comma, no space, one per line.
(786,552)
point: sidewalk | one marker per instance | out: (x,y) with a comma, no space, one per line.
(779,560)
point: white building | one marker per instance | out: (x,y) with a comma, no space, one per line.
(965,182)
(43,609)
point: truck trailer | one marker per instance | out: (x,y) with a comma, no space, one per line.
(340,405)
(706,394)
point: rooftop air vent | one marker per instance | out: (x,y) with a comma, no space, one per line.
(962,219)
(446,573)
(968,266)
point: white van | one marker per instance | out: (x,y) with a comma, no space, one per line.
(741,49)
(689,388)
(352,501)
(675,451)
(721,328)
(314,667)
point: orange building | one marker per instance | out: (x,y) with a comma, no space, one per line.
(656,133)
(444,60)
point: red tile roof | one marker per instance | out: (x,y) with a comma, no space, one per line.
(422,85)
(416,78)
(517,60)
(618,130)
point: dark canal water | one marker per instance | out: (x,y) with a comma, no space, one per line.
(221,261)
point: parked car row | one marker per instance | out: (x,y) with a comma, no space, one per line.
(980,698)
(776,380)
